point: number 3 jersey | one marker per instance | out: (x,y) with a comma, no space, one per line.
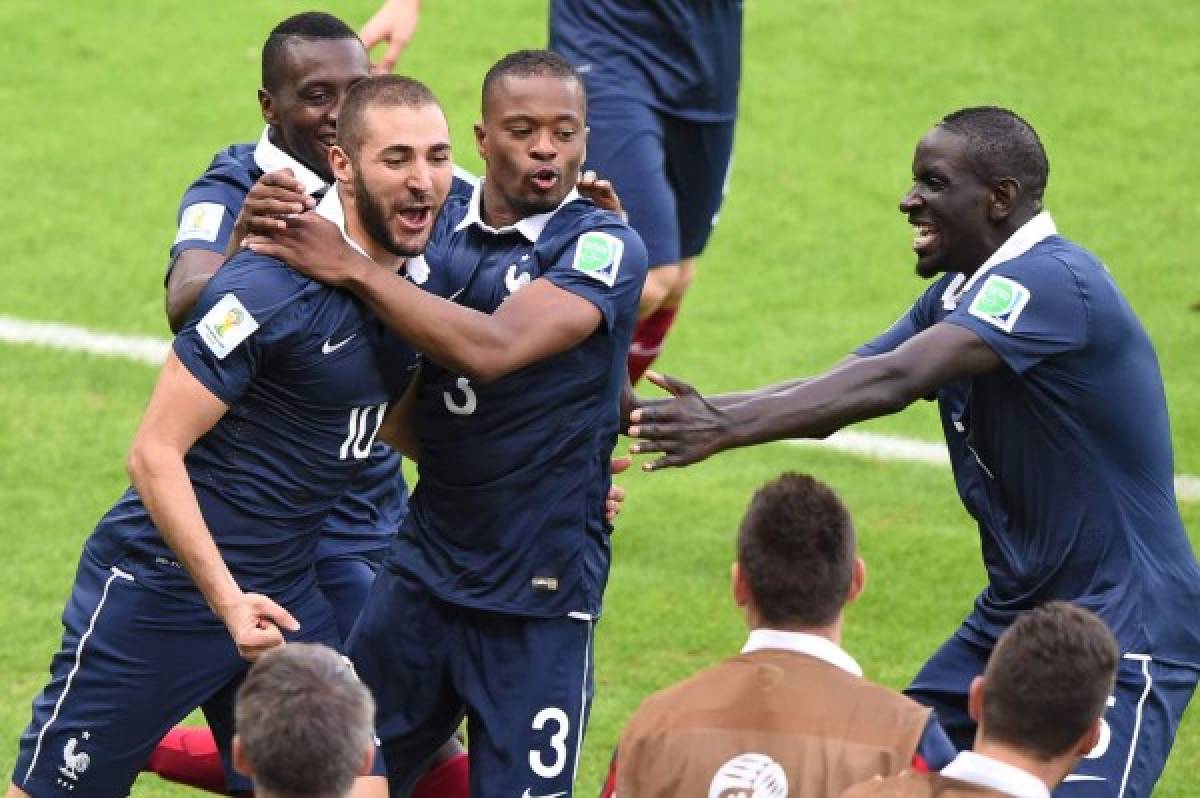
(307,373)
(508,512)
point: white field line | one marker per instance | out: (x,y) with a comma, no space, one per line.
(154,351)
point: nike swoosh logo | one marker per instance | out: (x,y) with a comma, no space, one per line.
(528,794)
(328,348)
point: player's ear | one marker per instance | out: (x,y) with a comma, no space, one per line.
(858,579)
(975,699)
(738,585)
(1006,192)
(481,140)
(340,164)
(368,760)
(1091,738)
(241,762)
(267,104)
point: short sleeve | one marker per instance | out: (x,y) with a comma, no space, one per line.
(1026,311)
(916,319)
(934,749)
(206,214)
(248,306)
(606,266)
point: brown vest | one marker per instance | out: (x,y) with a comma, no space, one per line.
(921,785)
(759,720)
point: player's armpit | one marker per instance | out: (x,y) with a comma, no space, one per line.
(540,321)
(190,272)
(398,429)
(937,356)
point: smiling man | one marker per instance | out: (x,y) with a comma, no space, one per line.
(1056,423)
(487,602)
(310,61)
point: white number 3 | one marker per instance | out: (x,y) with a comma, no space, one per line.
(467,406)
(557,742)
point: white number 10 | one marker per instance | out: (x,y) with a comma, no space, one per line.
(362,433)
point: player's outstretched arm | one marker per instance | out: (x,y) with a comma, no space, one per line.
(395,23)
(536,323)
(690,427)
(181,409)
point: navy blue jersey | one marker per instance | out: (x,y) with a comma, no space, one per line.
(508,513)
(375,505)
(307,373)
(682,57)
(1063,454)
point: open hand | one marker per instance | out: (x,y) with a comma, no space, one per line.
(685,429)
(273,197)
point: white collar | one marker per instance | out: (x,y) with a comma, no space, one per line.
(813,645)
(270,158)
(531,226)
(985,771)
(1028,235)
(331,208)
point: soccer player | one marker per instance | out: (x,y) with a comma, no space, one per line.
(486,603)
(791,715)
(309,62)
(267,406)
(305,724)
(662,81)
(1056,423)
(1039,705)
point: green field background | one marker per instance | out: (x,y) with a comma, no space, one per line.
(113,108)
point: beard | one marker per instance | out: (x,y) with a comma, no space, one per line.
(373,218)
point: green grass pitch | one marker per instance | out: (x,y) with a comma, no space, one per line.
(115,107)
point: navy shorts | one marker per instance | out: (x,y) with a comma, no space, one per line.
(346,579)
(670,173)
(132,664)
(1139,726)
(523,684)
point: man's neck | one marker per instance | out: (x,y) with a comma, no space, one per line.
(1049,773)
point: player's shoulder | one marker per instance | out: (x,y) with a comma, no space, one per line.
(234,163)
(249,269)
(905,785)
(581,226)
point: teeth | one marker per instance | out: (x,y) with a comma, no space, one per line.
(926,233)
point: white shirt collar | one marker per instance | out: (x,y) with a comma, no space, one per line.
(270,158)
(984,771)
(1033,232)
(331,208)
(813,645)
(531,226)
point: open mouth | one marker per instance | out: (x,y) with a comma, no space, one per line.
(545,179)
(926,238)
(327,139)
(415,218)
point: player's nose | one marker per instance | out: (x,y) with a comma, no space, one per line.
(911,201)
(543,146)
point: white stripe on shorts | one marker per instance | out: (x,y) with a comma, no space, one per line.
(1137,718)
(587,661)
(117,573)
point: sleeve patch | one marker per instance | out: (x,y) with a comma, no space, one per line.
(598,255)
(200,222)
(225,326)
(1000,302)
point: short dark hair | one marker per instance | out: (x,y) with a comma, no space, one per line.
(1048,679)
(387,91)
(796,549)
(529,64)
(309,26)
(1001,144)
(305,721)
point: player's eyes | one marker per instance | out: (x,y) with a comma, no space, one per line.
(566,135)
(520,131)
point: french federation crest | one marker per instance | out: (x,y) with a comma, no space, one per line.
(598,255)
(749,776)
(1000,302)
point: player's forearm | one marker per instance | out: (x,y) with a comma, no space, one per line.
(461,339)
(162,482)
(859,390)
